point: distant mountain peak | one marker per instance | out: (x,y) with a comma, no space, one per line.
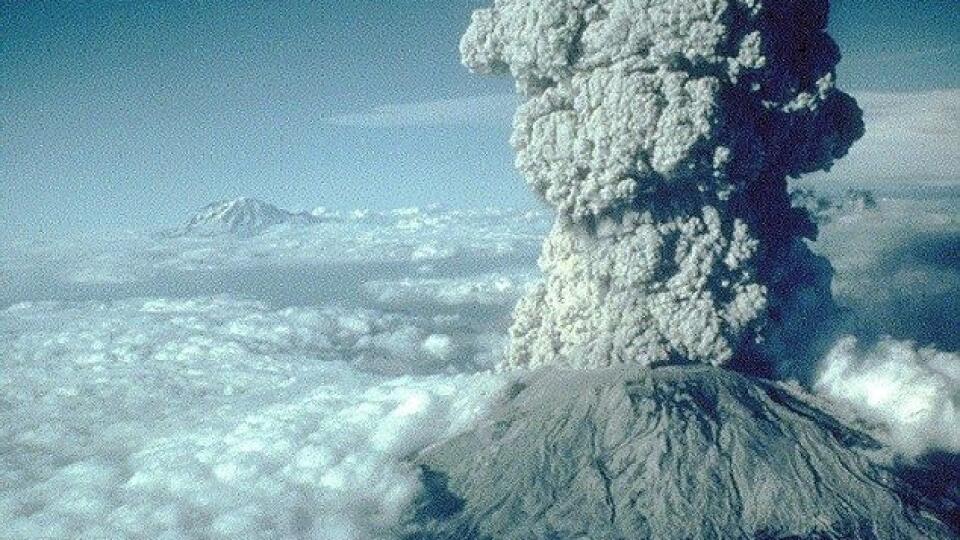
(242,216)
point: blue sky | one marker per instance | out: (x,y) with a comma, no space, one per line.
(119,115)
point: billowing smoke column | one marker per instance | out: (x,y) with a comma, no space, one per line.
(663,132)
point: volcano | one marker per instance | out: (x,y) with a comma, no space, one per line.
(667,452)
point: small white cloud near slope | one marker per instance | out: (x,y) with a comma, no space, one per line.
(913,392)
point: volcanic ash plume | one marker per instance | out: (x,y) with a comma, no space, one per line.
(663,133)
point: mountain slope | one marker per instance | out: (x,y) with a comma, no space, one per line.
(671,452)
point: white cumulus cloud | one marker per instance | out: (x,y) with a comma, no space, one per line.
(912,391)
(218,418)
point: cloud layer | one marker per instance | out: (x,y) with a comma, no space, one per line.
(218,418)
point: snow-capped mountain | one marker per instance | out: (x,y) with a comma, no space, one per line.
(244,216)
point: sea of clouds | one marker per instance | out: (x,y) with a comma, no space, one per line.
(272,386)
(221,418)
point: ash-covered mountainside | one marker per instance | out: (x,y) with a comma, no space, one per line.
(669,452)
(243,216)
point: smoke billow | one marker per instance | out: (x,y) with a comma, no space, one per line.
(663,133)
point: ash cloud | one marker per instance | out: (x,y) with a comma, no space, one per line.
(663,134)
